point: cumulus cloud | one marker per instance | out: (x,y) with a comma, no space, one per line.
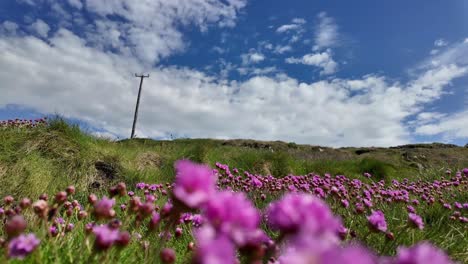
(326,33)
(287,27)
(40,27)
(440,43)
(322,60)
(457,53)
(296,25)
(280,49)
(454,126)
(8,27)
(146,29)
(252,71)
(252,57)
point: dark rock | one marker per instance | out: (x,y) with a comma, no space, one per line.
(362,151)
(96,185)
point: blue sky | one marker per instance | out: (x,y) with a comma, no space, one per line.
(335,73)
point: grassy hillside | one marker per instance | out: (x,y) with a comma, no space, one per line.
(58,154)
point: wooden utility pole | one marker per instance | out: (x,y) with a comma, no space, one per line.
(137,103)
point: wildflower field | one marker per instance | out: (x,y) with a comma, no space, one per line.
(68,197)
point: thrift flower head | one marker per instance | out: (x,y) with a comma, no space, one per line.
(213,248)
(233,215)
(465,172)
(15,226)
(22,246)
(415,221)
(305,249)
(348,255)
(194,183)
(421,254)
(103,208)
(304,213)
(167,255)
(105,237)
(377,221)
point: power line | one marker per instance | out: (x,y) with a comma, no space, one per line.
(137,103)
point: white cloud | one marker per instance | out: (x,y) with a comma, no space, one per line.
(265,44)
(219,49)
(440,43)
(76,3)
(8,27)
(322,60)
(296,25)
(456,53)
(252,57)
(146,29)
(251,71)
(279,49)
(454,126)
(298,20)
(288,27)
(332,112)
(40,27)
(326,33)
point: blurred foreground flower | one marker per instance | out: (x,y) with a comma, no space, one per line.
(22,246)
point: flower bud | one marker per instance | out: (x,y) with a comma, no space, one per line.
(43,197)
(25,203)
(190,246)
(390,236)
(60,197)
(40,208)
(178,232)
(123,239)
(15,226)
(121,188)
(92,198)
(82,215)
(167,256)
(70,190)
(8,200)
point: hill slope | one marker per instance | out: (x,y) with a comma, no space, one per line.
(53,156)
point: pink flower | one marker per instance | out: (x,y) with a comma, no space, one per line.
(194,183)
(302,213)
(103,208)
(377,221)
(415,221)
(22,246)
(421,254)
(213,248)
(233,215)
(410,209)
(105,237)
(345,203)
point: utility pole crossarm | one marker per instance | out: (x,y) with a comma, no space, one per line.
(141,76)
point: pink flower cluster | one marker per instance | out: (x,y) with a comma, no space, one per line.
(23,123)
